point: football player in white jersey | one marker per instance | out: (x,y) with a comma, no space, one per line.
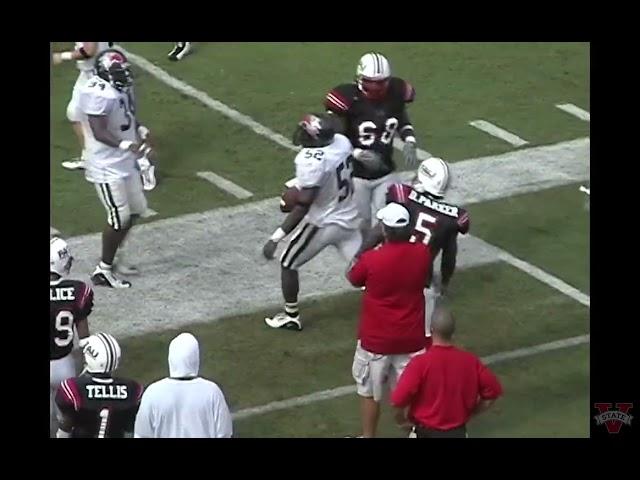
(84,54)
(115,142)
(325,212)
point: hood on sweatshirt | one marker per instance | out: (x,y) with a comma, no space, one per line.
(184,356)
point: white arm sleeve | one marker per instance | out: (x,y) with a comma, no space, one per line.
(309,173)
(143,427)
(93,104)
(222,417)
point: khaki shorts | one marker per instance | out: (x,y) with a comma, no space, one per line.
(373,372)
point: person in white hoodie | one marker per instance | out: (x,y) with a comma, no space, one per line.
(183,405)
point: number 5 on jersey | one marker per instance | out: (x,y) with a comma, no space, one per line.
(344,174)
(424,223)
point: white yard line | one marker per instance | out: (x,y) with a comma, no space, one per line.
(53,231)
(546,278)
(224,109)
(203,97)
(226,185)
(576,111)
(351,389)
(203,248)
(498,132)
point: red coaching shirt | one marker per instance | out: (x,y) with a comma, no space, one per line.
(442,387)
(392,314)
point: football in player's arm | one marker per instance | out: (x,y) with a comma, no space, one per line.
(322,210)
(306,193)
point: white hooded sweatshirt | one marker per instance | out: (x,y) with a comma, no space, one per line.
(183,405)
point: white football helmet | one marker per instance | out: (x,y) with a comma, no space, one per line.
(101,353)
(60,259)
(372,75)
(433,177)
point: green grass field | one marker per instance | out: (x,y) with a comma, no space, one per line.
(499,308)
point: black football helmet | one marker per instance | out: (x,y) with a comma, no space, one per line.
(112,65)
(314,130)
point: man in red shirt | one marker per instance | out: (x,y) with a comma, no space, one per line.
(445,387)
(392,327)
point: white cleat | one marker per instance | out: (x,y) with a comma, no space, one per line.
(282,320)
(106,278)
(180,50)
(75,164)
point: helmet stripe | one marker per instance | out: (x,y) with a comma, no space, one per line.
(378,66)
(110,352)
(114,345)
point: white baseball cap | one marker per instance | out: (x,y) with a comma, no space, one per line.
(394,215)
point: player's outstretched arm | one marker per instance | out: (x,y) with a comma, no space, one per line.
(410,150)
(305,199)
(88,50)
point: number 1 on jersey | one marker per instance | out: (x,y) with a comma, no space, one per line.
(104,416)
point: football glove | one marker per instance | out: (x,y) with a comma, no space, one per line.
(410,153)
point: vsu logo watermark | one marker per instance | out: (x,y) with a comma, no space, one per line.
(613,419)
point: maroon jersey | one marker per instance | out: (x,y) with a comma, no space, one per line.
(99,406)
(69,302)
(372,125)
(435,223)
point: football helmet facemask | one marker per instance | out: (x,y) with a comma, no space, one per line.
(112,66)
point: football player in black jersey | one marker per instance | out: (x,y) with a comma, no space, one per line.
(370,111)
(96,404)
(70,303)
(435,222)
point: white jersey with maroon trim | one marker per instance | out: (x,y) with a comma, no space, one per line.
(104,162)
(329,169)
